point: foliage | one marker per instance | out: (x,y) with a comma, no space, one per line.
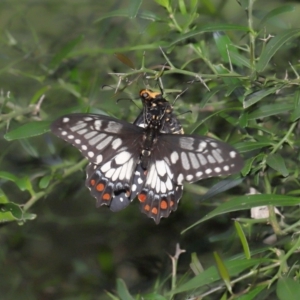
(237,62)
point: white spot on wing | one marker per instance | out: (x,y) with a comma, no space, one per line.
(90,154)
(99,159)
(217,156)
(199,174)
(232,154)
(180,179)
(189,177)
(90,134)
(211,159)
(122,157)
(104,143)
(113,127)
(97,125)
(65,120)
(77,141)
(226,168)
(184,161)
(174,157)
(202,159)
(116,143)
(160,167)
(82,131)
(87,119)
(78,126)
(186,143)
(208,171)
(194,160)
(201,146)
(97,138)
(106,167)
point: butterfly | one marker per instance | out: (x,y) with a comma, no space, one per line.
(149,159)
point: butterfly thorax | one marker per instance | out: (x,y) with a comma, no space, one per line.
(158,113)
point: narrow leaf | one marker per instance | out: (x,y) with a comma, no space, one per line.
(274,45)
(257,96)
(276,162)
(211,275)
(224,274)
(134,6)
(275,12)
(209,28)
(28,130)
(62,54)
(243,239)
(122,290)
(296,111)
(247,202)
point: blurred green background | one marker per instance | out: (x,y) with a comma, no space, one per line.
(66,51)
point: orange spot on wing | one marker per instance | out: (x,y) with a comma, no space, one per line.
(154,210)
(147,207)
(142,197)
(106,197)
(100,187)
(92,182)
(172,203)
(163,204)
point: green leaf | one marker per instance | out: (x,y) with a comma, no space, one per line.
(222,186)
(195,264)
(239,60)
(38,94)
(209,28)
(250,146)
(211,275)
(13,208)
(62,54)
(28,130)
(225,46)
(276,162)
(295,115)
(275,12)
(243,239)
(287,288)
(22,183)
(147,15)
(247,202)
(274,45)
(44,182)
(251,295)
(164,3)
(16,212)
(223,271)
(134,6)
(270,110)
(257,96)
(122,290)
(153,296)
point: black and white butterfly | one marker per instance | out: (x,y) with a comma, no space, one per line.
(149,159)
